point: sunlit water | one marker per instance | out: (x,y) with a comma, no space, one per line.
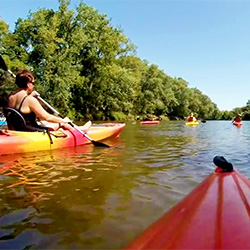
(101,198)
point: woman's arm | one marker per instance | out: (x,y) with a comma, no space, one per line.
(37,108)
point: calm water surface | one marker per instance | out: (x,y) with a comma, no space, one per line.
(101,198)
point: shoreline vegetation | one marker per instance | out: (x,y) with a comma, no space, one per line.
(88,69)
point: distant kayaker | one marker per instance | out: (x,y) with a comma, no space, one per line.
(191,118)
(26,103)
(237,118)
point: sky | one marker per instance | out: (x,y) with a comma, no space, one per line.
(205,42)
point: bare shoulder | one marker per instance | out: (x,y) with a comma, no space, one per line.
(11,97)
(32,100)
(12,101)
(33,103)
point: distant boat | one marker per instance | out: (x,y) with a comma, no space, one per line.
(193,123)
(237,124)
(149,122)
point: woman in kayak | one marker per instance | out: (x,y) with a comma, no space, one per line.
(26,103)
(191,118)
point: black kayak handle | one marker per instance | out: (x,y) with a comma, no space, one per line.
(222,163)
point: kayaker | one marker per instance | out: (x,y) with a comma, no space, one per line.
(191,118)
(237,118)
(26,103)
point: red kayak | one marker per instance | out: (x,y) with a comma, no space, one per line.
(237,124)
(149,122)
(216,215)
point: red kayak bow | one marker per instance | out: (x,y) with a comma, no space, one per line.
(149,122)
(216,215)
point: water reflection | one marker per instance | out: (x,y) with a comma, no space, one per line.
(96,198)
(57,192)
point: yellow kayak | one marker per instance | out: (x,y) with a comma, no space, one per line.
(193,123)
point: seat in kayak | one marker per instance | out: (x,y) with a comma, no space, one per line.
(15,121)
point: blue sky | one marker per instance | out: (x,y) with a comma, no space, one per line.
(207,43)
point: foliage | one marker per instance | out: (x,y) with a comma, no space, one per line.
(87,68)
(118,116)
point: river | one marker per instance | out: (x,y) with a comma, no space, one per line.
(101,198)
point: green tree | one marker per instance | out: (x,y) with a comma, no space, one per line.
(70,53)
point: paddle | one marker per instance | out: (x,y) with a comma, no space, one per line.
(95,143)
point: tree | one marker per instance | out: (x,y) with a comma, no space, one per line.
(70,53)
(87,68)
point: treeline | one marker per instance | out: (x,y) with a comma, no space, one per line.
(88,69)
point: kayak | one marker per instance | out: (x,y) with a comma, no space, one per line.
(149,122)
(215,215)
(193,123)
(237,124)
(3,123)
(12,142)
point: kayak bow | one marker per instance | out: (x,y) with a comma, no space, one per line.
(215,215)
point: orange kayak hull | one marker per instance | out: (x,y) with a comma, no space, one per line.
(216,215)
(12,142)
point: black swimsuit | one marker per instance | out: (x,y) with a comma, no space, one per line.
(30,118)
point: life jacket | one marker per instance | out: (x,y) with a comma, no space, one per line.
(190,119)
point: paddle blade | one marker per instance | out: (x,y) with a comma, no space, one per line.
(3,64)
(95,143)
(100,144)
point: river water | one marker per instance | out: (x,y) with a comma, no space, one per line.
(101,198)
